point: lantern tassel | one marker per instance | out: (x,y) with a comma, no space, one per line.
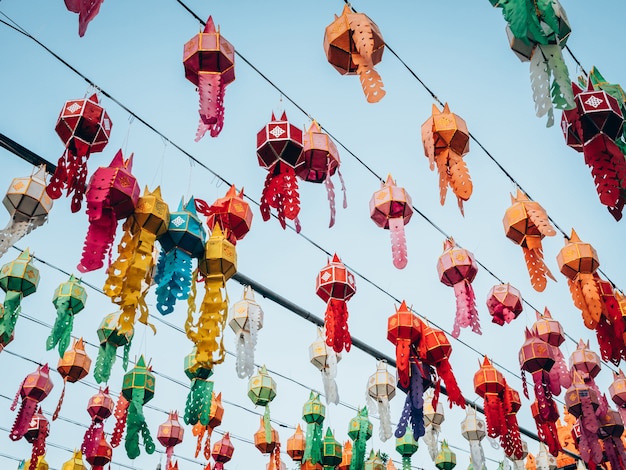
(267,424)
(211,91)
(62,329)
(363,38)
(494,413)
(384,411)
(39,446)
(173,279)
(336,321)
(610,450)
(413,411)
(60,404)
(92,437)
(580,303)
(104,362)
(329,373)
(477,454)
(12,309)
(14,231)
(71,173)
(198,430)
(199,396)
(559,374)
(87,11)
(313,444)
(330,192)
(459,177)
(466,313)
(358,449)
(121,415)
(431,437)
(591,295)
(403,351)
(99,239)
(548,434)
(136,424)
(398,242)
(537,269)
(22,421)
(281,193)
(455,396)
(540,85)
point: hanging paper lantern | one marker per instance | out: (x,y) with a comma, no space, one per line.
(359,430)
(38,463)
(325,359)
(170,434)
(433,419)
(374,462)
(611,327)
(217,265)
(246,319)
(18,278)
(346,456)
(473,429)
(279,151)
(35,388)
(112,194)
(265,444)
(331,451)
(87,11)
(504,303)
(183,241)
(111,337)
(354,45)
(199,399)
(511,440)
(84,127)
(100,407)
(100,455)
(390,465)
(549,330)
(137,390)
(38,430)
(391,209)
(335,285)
(457,268)
(381,388)
(73,366)
(446,140)
(406,447)
(209,61)
(617,390)
(69,299)
(321,161)
(586,362)
(413,410)
(222,451)
(231,212)
(545,421)
(489,384)
(216,414)
(446,459)
(610,431)
(262,390)
(536,357)
(567,441)
(28,205)
(313,413)
(75,463)
(404,329)
(130,275)
(526,223)
(296,445)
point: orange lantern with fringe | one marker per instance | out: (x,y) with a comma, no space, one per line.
(404,329)
(231,212)
(216,414)
(73,366)
(296,445)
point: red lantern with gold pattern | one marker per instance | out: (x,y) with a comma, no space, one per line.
(550,331)
(99,407)
(489,384)
(170,434)
(35,387)
(404,329)
(231,212)
(504,303)
(511,440)
(100,455)
(222,451)
(38,430)
(73,366)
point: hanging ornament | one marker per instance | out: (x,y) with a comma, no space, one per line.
(84,127)
(489,384)
(137,390)
(446,459)
(504,303)
(73,366)
(170,434)
(266,440)
(404,329)
(381,388)
(112,194)
(184,240)
(35,387)
(231,212)
(262,390)
(550,331)
(511,440)
(433,419)
(217,265)
(354,45)
(36,434)
(87,11)
(313,413)
(526,223)
(18,278)
(536,357)
(391,209)
(617,390)
(321,161)
(100,407)
(199,399)
(39,463)
(111,337)
(130,275)
(567,441)
(390,465)
(457,268)
(346,456)
(325,359)
(359,430)
(544,459)
(100,455)
(279,151)
(222,451)
(335,285)
(69,299)
(209,61)
(610,431)
(547,431)
(296,445)
(592,126)
(611,327)
(406,447)
(587,363)
(331,451)
(246,319)
(473,429)
(75,463)
(28,205)
(374,462)
(446,140)
(216,413)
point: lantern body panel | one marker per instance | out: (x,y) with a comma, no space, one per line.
(26,198)
(209,53)
(335,281)
(320,154)
(455,265)
(279,141)
(85,125)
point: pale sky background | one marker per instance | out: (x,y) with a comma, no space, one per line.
(133,51)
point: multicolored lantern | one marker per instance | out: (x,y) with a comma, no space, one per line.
(536,357)
(313,413)
(325,359)
(35,387)
(332,450)
(587,363)
(446,459)
(28,205)
(262,390)
(130,275)
(84,127)
(36,434)
(137,390)
(209,61)
(246,319)
(446,140)
(18,278)
(111,337)
(457,268)
(75,463)
(359,430)
(354,45)
(199,400)
(170,434)
(296,445)
(279,151)
(222,451)
(610,431)
(184,240)
(69,299)
(100,455)
(73,366)
(87,11)
(321,161)
(504,303)
(335,285)
(473,429)
(100,407)
(489,384)
(433,419)
(406,447)
(526,223)
(381,388)
(391,209)
(112,194)
(216,413)
(231,212)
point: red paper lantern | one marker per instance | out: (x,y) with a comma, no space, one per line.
(617,390)
(504,303)
(209,61)
(170,434)
(35,388)
(222,451)
(551,332)
(585,361)
(404,329)
(38,430)
(100,455)
(231,212)
(99,407)
(489,384)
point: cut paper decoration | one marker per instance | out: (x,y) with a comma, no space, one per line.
(359,430)
(170,434)
(72,367)
(99,407)
(76,462)
(404,330)
(433,419)
(406,446)
(617,391)
(222,451)
(246,319)
(35,387)
(296,444)
(551,332)
(207,423)
(38,430)
(268,443)
(381,388)
(325,359)
(69,299)
(504,303)
(111,337)
(101,455)
(313,413)
(261,391)
(87,10)
(446,459)
(200,397)
(331,451)
(231,212)
(474,430)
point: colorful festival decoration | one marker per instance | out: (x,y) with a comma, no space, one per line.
(593,126)
(73,366)
(406,447)
(550,331)
(18,278)
(38,463)
(610,432)
(404,329)
(137,390)
(35,387)
(199,399)
(457,268)
(446,140)
(216,413)
(321,161)
(231,212)
(170,434)
(391,209)
(433,419)
(381,388)
(313,413)
(261,391)
(446,459)
(130,275)
(38,430)
(267,441)
(209,61)
(28,205)
(184,240)
(374,461)
(87,11)
(112,194)
(99,407)
(111,337)
(246,319)
(526,223)
(537,32)
(473,429)
(617,391)
(100,455)
(69,299)
(325,359)
(296,444)
(354,45)
(335,285)
(359,430)
(331,451)
(222,451)
(279,151)
(76,462)
(504,303)
(346,456)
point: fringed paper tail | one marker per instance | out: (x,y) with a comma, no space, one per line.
(211,92)
(329,373)
(477,454)
(100,236)
(281,193)
(398,242)
(336,322)
(13,233)
(431,437)
(121,414)
(330,192)
(12,309)
(22,421)
(466,313)
(537,269)
(174,278)
(384,411)
(444,370)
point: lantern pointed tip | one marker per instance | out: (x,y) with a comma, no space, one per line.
(446,108)
(141,362)
(336,258)
(576,89)
(574,237)
(209,27)
(94,98)
(283,117)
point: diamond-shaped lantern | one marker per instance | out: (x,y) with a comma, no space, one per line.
(404,329)
(36,463)
(360,430)
(73,366)
(231,212)
(504,303)
(35,388)
(262,390)
(617,391)
(489,383)
(406,445)
(346,456)
(170,434)
(222,451)
(111,337)
(296,444)
(381,388)
(579,396)
(246,319)
(374,462)
(474,430)
(313,413)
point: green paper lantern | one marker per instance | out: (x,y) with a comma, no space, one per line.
(446,459)
(332,450)
(355,425)
(111,338)
(406,447)
(374,462)
(69,299)
(199,398)
(261,388)
(139,378)
(20,275)
(314,410)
